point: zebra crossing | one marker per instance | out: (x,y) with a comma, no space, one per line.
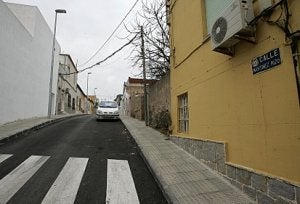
(120,184)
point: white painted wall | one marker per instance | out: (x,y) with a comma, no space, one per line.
(25,57)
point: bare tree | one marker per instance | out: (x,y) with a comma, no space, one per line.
(153,18)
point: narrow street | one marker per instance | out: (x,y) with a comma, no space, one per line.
(77,160)
(207,94)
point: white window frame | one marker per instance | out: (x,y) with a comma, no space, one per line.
(183,113)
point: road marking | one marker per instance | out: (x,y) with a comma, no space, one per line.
(66,185)
(12,182)
(120,184)
(4,157)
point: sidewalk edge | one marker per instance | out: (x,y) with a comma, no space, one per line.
(155,176)
(36,127)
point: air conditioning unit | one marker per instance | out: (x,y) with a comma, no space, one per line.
(264,4)
(232,25)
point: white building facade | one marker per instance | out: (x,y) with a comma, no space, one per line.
(25,58)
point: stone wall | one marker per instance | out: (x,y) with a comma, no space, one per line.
(261,188)
(137,106)
(159,103)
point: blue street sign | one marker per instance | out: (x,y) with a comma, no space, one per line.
(266,61)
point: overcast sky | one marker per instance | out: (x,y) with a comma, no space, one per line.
(81,32)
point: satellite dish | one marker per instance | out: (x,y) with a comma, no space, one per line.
(219,30)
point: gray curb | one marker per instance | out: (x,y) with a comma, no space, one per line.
(155,176)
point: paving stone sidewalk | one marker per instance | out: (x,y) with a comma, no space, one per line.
(183,178)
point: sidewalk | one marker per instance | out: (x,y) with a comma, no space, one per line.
(183,178)
(16,128)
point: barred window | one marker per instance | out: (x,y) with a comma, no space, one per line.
(69,100)
(183,113)
(73,103)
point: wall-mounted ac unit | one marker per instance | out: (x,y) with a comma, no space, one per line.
(232,25)
(264,4)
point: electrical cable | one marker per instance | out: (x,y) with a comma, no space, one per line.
(268,11)
(105,59)
(109,36)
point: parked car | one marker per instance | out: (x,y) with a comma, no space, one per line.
(108,110)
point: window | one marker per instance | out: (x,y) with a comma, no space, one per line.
(73,103)
(183,113)
(69,100)
(213,9)
(108,104)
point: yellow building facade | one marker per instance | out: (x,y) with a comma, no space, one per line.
(219,103)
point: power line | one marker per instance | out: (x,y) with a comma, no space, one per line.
(108,57)
(110,35)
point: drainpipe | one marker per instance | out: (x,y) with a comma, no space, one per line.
(296,60)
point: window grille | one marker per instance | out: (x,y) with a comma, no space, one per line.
(183,113)
(73,103)
(69,100)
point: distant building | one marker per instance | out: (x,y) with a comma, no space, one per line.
(132,103)
(118,99)
(25,58)
(93,103)
(82,100)
(67,97)
(132,88)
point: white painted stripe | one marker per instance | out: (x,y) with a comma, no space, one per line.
(120,184)
(4,157)
(66,185)
(12,182)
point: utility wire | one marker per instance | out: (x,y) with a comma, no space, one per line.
(110,35)
(98,63)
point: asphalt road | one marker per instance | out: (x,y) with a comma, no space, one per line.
(79,139)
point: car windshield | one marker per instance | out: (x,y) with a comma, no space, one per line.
(108,104)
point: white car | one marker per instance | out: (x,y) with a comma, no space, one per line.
(108,110)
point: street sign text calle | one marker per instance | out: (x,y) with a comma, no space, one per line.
(266,61)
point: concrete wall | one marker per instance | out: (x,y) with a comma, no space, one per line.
(257,116)
(25,58)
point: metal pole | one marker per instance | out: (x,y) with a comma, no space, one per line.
(51,70)
(144,78)
(52,63)
(87,93)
